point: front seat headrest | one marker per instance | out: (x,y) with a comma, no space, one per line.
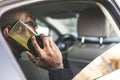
(92,23)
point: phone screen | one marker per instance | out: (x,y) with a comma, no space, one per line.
(21,33)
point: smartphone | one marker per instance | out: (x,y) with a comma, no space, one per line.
(21,33)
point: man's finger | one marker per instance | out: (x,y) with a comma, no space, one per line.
(42,36)
(31,56)
(45,42)
(35,60)
(36,46)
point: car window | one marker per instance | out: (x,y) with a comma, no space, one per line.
(54,35)
(70,23)
(117,2)
(43,28)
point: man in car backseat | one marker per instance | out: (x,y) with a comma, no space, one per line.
(50,57)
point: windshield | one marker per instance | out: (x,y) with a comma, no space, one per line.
(70,23)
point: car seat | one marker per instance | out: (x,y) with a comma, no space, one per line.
(92,28)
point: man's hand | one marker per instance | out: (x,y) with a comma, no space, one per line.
(50,57)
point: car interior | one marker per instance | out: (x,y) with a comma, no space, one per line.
(84,51)
(92,34)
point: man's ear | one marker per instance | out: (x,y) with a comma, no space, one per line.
(5,32)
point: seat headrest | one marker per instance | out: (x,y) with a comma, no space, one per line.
(92,23)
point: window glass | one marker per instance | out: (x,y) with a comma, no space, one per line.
(70,23)
(43,28)
(54,35)
(118,3)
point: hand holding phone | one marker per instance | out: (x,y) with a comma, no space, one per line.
(32,49)
(21,34)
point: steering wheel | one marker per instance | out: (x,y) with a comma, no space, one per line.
(65,41)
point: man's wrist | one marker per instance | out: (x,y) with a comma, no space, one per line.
(60,67)
(57,67)
(61,74)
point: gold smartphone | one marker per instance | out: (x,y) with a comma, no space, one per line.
(21,33)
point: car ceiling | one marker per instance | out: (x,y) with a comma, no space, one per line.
(58,9)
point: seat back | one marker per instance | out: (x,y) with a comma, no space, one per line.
(91,23)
